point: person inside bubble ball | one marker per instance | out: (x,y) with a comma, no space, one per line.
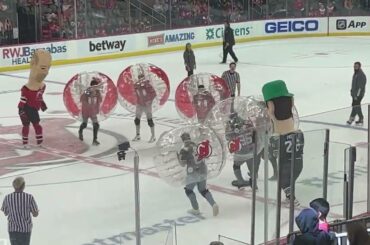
(145,96)
(203,102)
(91,100)
(196,170)
(240,137)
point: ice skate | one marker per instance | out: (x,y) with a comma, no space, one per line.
(359,123)
(239,184)
(137,138)
(152,139)
(296,202)
(80,135)
(216,209)
(194,211)
(350,121)
(95,142)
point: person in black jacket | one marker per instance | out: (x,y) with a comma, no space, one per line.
(228,43)
(189,60)
(308,223)
(357,93)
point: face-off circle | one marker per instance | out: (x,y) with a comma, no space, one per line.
(243,123)
(197,94)
(90,95)
(189,154)
(143,84)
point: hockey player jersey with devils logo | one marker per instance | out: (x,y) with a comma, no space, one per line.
(90,103)
(145,93)
(189,157)
(32,98)
(203,103)
(239,136)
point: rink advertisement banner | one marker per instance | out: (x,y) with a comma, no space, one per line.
(21,55)
(349,25)
(295,26)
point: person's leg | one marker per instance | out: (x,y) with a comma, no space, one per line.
(202,188)
(96,127)
(149,117)
(359,111)
(14,238)
(354,111)
(35,120)
(189,191)
(231,51)
(25,126)
(225,52)
(82,127)
(138,114)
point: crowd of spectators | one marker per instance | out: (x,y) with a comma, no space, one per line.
(55,19)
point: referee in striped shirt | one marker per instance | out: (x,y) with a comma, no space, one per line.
(232,79)
(19,206)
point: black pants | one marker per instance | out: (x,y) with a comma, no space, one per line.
(229,50)
(356,109)
(20,238)
(285,176)
(190,72)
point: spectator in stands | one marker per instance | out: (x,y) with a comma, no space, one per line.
(158,7)
(308,223)
(299,8)
(322,207)
(330,8)
(322,10)
(357,234)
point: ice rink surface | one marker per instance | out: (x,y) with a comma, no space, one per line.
(86,196)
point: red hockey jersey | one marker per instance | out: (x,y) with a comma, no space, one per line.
(145,93)
(32,98)
(90,104)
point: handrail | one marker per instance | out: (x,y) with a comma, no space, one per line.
(151,15)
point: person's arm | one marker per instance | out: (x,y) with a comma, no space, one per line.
(5,207)
(195,63)
(361,86)
(238,87)
(34,208)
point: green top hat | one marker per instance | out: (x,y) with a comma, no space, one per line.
(275,89)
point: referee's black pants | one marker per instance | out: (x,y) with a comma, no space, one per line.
(20,238)
(229,50)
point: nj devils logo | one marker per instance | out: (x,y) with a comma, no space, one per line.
(204,150)
(234,145)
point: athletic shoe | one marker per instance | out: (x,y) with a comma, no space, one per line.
(359,123)
(216,209)
(152,139)
(95,142)
(137,138)
(194,211)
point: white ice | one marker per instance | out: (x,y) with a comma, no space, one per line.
(85,203)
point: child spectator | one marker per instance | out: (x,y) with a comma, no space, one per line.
(322,207)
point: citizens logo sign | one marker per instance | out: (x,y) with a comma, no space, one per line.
(107,45)
(170,38)
(291,26)
(22,55)
(343,24)
(217,33)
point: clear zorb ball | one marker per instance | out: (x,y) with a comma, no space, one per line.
(196,95)
(143,85)
(90,94)
(242,123)
(188,155)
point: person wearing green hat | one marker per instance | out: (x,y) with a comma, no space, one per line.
(280,104)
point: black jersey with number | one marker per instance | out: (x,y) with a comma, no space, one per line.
(287,146)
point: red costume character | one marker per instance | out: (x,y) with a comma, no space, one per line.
(32,96)
(145,96)
(203,102)
(91,100)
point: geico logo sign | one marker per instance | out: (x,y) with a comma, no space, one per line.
(342,24)
(292,26)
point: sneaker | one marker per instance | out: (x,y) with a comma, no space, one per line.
(359,123)
(95,142)
(240,185)
(80,136)
(26,147)
(194,211)
(216,209)
(152,139)
(223,62)
(137,138)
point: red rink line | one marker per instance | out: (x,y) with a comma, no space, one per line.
(66,154)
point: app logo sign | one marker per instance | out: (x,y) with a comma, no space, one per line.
(170,38)
(343,24)
(217,33)
(291,26)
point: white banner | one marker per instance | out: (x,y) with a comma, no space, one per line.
(349,25)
